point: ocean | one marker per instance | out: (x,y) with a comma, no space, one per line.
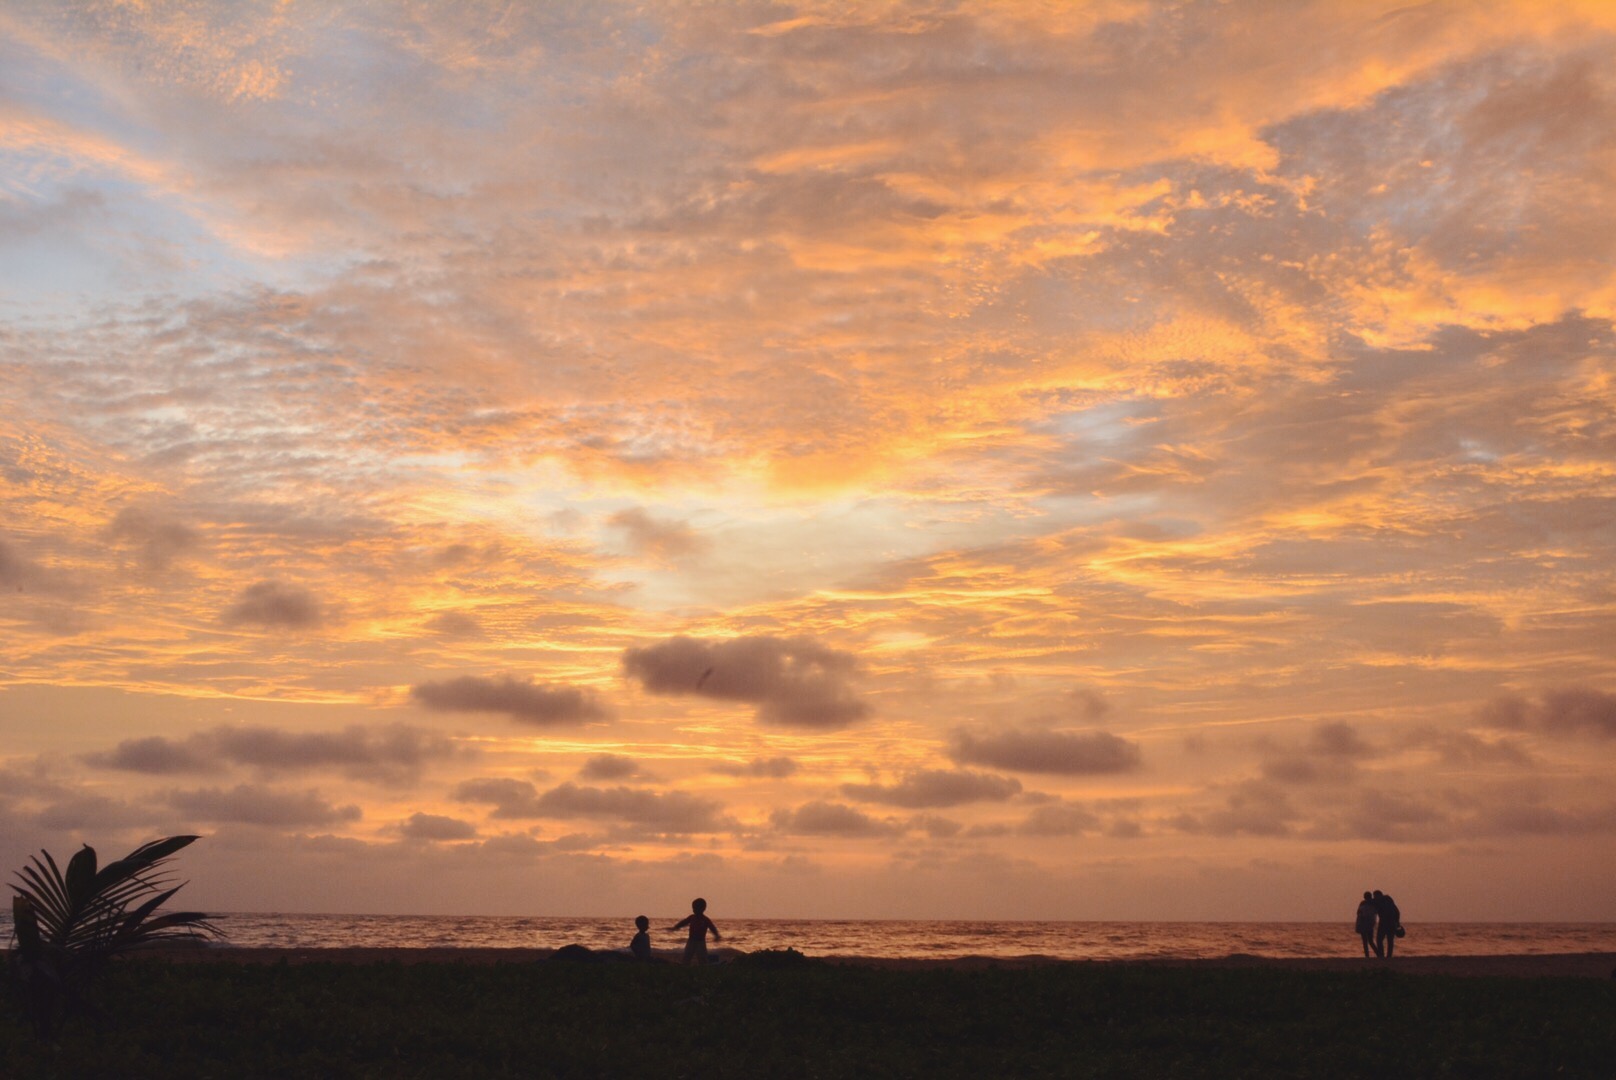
(917,939)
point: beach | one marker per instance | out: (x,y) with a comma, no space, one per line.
(1525,965)
(529,1012)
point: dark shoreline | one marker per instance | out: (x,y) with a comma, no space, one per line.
(338,1013)
(1520,965)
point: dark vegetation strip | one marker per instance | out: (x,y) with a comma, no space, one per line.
(814,1020)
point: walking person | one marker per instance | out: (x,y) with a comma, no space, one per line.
(1366,923)
(1390,924)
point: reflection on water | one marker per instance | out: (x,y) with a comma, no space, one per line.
(903,938)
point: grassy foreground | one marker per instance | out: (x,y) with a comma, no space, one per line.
(814,1020)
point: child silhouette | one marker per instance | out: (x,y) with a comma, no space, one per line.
(699,924)
(641,945)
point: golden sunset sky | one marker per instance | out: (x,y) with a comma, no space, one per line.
(1047,460)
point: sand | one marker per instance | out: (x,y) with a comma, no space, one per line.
(1546,965)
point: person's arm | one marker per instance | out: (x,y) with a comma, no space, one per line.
(682,923)
(714,928)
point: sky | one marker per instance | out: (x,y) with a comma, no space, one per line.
(1114,460)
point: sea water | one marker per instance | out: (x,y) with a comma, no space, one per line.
(897,938)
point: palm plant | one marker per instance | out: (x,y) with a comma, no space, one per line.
(68,926)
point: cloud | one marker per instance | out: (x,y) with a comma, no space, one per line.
(90,811)
(819,818)
(773,768)
(34,781)
(1329,756)
(275,604)
(1340,741)
(1377,814)
(1497,134)
(157,540)
(671,812)
(932,788)
(393,754)
(14,570)
(419,826)
(1570,711)
(511,798)
(1536,819)
(524,702)
(155,755)
(657,539)
(1495,812)
(1253,808)
(935,826)
(1463,748)
(19,574)
(1300,769)
(70,212)
(455,625)
(793,681)
(1051,752)
(1088,703)
(249,804)
(1326,327)
(609,767)
(1058,819)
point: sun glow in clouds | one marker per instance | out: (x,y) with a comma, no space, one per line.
(1071,461)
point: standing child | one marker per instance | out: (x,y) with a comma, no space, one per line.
(641,945)
(699,923)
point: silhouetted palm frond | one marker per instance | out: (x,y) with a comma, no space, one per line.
(87,912)
(68,925)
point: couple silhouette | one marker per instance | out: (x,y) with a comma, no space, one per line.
(1379,923)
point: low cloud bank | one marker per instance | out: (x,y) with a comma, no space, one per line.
(1051,752)
(1568,711)
(932,788)
(524,702)
(794,682)
(395,753)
